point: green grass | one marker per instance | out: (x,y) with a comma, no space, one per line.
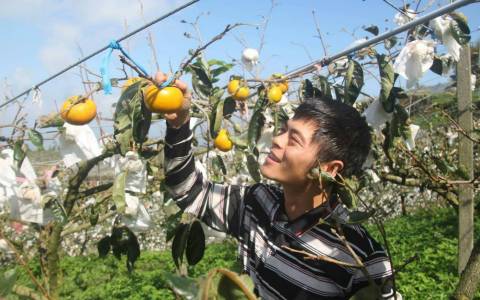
(430,234)
(433,236)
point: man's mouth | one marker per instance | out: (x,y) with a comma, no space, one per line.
(273,158)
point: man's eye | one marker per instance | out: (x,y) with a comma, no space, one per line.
(281,130)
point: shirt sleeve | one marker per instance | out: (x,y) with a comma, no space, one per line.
(376,262)
(220,206)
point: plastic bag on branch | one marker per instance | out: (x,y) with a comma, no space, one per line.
(24,200)
(414,60)
(265,141)
(26,169)
(405,17)
(7,177)
(136,216)
(410,141)
(77,143)
(250,58)
(441,27)
(376,115)
(26,204)
(136,180)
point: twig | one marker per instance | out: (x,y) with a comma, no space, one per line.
(201,48)
(321,257)
(24,264)
(68,231)
(459,128)
(149,38)
(320,36)
(265,25)
(406,262)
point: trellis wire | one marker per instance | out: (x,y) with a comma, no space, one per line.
(98,51)
(326,60)
(303,69)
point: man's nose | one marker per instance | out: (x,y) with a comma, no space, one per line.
(279,141)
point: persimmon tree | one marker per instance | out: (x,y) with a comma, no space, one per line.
(234,119)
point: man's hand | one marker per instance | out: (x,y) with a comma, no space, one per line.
(182,116)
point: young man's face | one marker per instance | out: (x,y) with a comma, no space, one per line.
(293,153)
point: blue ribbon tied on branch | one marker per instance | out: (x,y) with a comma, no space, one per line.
(104,69)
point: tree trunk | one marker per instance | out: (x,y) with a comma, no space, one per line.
(470,278)
(53,260)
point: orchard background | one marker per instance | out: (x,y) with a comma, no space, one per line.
(71,193)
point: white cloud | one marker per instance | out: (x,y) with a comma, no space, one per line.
(64,26)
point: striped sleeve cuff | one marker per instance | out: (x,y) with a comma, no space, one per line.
(177,140)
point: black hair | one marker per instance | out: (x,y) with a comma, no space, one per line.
(342,133)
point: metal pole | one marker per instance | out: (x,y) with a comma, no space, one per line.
(98,51)
(326,60)
(466,207)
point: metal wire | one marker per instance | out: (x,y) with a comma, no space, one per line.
(98,51)
(326,60)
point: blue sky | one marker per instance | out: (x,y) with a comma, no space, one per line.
(39,37)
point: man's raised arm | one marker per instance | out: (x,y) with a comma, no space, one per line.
(219,206)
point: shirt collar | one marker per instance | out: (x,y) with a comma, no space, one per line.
(309,219)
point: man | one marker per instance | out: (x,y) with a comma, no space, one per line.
(287,242)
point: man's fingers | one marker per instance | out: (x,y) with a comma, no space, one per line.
(160,77)
(181,85)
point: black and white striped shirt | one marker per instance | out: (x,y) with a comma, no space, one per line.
(256,217)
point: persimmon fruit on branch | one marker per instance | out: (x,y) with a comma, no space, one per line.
(78,111)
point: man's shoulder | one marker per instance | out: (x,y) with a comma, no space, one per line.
(263,191)
(263,197)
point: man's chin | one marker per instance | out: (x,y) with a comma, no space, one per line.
(267,172)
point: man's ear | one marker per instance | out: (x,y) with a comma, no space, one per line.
(333,167)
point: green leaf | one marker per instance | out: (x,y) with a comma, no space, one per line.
(7,281)
(339,93)
(462,172)
(347,196)
(195,243)
(93,217)
(441,65)
(213,62)
(130,101)
(36,138)
(390,42)
(255,127)
(308,91)
(459,28)
(387,78)
(353,81)
(399,126)
(201,81)
(357,217)
(373,29)
(239,141)
(443,165)
(217,161)
(142,118)
(172,222)
(179,243)
(229,290)
(222,69)
(182,286)
(118,192)
(216,118)
(324,85)
(103,246)
(253,167)
(18,153)
(229,107)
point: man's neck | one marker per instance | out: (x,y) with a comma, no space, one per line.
(301,199)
